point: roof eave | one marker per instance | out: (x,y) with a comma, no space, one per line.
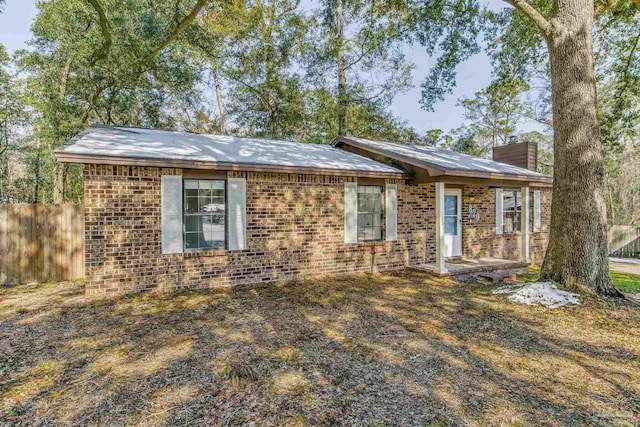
(532,179)
(67,157)
(499,175)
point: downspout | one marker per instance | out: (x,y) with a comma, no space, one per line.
(373,259)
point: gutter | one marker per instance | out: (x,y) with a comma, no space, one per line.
(66,157)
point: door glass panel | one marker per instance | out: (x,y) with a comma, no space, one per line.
(450,204)
(451,225)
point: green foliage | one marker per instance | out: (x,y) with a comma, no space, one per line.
(518,51)
(451,29)
(149,64)
(496,110)
(359,40)
(464,141)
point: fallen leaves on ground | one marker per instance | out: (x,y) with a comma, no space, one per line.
(390,349)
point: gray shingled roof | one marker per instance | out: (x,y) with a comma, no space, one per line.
(438,158)
(121,142)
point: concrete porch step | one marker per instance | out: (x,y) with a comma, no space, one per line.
(492,277)
(476,267)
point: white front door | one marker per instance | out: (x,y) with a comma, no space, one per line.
(453,223)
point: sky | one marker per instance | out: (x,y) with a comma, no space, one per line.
(473,75)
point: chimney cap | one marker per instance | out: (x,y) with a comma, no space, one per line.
(513,139)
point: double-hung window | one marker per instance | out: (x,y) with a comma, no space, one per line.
(370,213)
(204,215)
(511,211)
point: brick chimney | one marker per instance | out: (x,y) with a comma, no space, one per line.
(522,154)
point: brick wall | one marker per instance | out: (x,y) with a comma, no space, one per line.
(294,230)
(479,238)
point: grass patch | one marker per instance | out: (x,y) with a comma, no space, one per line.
(626,282)
(391,349)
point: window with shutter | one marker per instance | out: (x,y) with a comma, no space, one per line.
(204,215)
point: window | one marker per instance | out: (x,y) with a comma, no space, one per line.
(204,215)
(511,211)
(450,214)
(369,213)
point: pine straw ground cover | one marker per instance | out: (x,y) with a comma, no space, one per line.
(392,349)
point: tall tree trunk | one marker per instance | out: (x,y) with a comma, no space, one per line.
(36,190)
(342,72)
(577,253)
(58,168)
(216,84)
(58,181)
(270,75)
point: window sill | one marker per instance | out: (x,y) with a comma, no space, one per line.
(207,253)
(517,233)
(368,243)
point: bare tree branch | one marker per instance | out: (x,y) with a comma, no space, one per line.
(102,52)
(541,22)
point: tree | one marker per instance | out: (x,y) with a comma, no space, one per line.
(495,111)
(522,53)
(577,252)
(267,94)
(464,141)
(360,54)
(103,61)
(433,137)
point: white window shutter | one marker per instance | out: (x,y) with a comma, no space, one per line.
(171,214)
(536,211)
(237,209)
(499,202)
(351,212)
(391,212)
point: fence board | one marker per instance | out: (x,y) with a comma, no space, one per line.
(624,241)
(41,242)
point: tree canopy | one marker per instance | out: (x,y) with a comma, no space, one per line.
(279,69)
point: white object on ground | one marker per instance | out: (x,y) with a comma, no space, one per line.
(507,289)
(543,293)
(625,260)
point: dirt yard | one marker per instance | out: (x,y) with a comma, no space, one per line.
(392,350)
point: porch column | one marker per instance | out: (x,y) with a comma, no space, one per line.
(524,225)
(440,266)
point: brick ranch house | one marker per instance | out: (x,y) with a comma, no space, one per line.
(173,210)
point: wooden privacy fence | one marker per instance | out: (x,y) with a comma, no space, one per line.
(41,242)
(624,241)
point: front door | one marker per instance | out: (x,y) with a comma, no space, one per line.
(452,223)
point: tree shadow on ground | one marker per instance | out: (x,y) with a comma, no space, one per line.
(392,349)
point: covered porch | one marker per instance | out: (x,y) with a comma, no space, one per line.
(451,173)
(449,237)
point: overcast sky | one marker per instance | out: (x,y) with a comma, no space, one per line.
(473,75)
